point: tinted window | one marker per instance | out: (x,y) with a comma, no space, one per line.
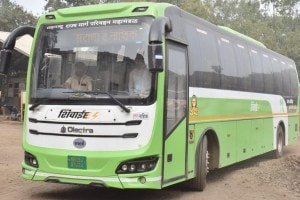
(204,62)
(278,85)
(257,72)
(294,80)
(228,65)
(243,67)
(268,74)
(286,79)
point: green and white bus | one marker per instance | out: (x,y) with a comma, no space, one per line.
(216,97)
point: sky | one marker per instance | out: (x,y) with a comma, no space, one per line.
(34,6)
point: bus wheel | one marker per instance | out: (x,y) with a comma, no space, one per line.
(280,143)
(199,182)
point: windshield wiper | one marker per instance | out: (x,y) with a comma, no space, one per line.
(107,93)
(38,103)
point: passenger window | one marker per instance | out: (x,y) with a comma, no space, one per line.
(257,71)
(286,80)
(268,74)
(204,65)
(228,65)
(294,80)
(243,68)
(278,84)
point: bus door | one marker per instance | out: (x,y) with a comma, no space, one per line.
(175,122)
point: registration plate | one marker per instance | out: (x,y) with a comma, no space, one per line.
(77,162)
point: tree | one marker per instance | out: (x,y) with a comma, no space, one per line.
(13,16)
(283,7)
(199,8)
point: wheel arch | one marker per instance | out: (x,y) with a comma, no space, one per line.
(281,123)
(213,147)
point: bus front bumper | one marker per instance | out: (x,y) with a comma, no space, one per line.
(121,181)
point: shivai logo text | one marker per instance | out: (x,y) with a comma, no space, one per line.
(69,114)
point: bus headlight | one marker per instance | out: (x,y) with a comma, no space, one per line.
(31,160)
(137,165)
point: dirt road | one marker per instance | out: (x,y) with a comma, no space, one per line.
(261,178)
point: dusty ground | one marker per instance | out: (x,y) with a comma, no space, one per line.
(261,178)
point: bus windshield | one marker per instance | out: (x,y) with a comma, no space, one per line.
(86,60)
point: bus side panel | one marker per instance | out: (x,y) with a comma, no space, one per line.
(293,128)
(257,136)
(269,134)
(227,135)
(244,144)
(240,139)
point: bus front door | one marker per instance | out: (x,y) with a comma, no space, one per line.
(175,137)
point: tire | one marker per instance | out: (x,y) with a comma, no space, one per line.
(199,182)
(279,143)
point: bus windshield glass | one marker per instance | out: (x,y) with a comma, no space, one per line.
(86,60)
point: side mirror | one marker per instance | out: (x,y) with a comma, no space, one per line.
(5,58)
(9,45)
(156,58)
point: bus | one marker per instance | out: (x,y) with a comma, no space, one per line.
(213,97)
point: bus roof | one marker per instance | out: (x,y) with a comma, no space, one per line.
(138,8)
(242,36)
